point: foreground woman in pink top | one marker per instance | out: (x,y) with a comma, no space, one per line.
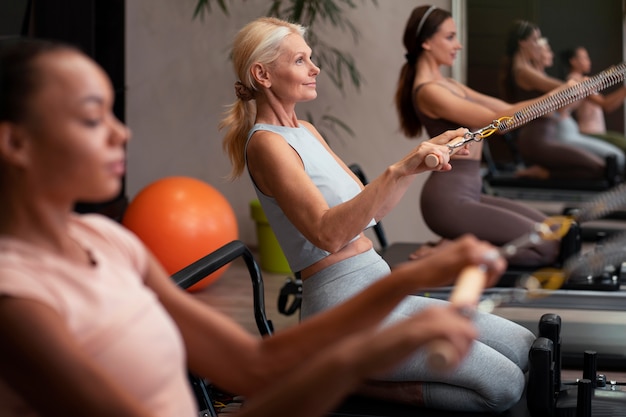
(92,325)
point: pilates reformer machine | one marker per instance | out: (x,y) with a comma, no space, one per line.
(587,289)
(547,395)
(590,282)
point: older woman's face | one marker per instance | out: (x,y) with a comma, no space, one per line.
(293,75)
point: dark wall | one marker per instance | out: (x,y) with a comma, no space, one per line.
(487,24)
(12,16)
(597,25)
(95,26)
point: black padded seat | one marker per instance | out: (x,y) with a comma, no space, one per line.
(358,406)
(506,184)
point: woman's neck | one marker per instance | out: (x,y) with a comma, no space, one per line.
(50,232)
(273,112)
(30,216)
(427,71)
(575,74)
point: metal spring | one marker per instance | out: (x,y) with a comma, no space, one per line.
(591,85)
(603,204)
(608,253)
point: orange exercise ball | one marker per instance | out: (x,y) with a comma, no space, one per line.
(182,219)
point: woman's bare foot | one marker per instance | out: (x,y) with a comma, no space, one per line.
(427,249)
(534,171)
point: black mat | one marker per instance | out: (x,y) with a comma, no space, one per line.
(357,406)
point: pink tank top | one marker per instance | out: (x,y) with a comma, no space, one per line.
(114,317)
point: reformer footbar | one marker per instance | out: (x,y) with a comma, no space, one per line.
(559,99)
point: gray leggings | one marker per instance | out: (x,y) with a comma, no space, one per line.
(492,377)
(452,205)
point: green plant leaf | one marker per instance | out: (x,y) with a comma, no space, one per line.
(204,7)
(328,123)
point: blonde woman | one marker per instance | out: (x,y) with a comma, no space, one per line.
(319,210)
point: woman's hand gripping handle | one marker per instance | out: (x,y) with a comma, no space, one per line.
(441,355)
(432,160)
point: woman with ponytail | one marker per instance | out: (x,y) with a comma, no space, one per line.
(426,99)
(319,210)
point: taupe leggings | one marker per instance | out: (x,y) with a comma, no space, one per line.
(538,144)
(452,205)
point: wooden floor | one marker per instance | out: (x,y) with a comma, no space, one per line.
(232,294)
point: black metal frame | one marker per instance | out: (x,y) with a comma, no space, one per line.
(199,270)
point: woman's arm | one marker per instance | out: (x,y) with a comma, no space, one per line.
(464,107)
(41,361)
(611,101)
(234,360)
(530,78)
(415,158)
(470,109)
(324,378)
(277,170)
(329,353)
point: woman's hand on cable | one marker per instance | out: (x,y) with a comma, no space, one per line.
(416,161)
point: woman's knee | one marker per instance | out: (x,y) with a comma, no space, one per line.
(508,393)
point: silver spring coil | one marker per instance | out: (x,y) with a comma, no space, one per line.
(603,204)
(591,85)
(611,252)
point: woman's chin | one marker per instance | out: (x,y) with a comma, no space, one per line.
(102,196)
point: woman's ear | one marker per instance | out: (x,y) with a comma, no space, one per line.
(260,75)
(13,147)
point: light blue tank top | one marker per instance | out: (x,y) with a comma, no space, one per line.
(335,184)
